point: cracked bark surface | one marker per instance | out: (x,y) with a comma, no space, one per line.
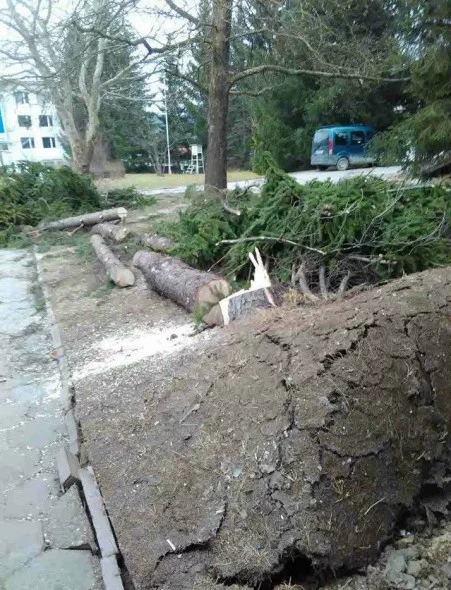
(314,431)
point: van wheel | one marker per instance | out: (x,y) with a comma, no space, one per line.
(342,164)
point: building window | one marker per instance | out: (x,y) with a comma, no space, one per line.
(4,147)
(24,120)
(45,121)
(48,142)
(22,98)
(341,138)
(357,137)
(27,143)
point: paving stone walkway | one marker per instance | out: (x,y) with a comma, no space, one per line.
(45,537)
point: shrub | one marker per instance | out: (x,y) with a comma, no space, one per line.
(31,192)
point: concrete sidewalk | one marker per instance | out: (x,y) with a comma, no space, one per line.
(39,527)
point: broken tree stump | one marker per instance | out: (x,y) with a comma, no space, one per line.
(118,273)
(108,230)
(261,294)
(86,219)
(187,286)
(157,243)
(244,303)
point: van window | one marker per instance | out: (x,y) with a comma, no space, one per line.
(320,138)
(341,138)
(357,137)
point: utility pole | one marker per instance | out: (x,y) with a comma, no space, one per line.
(167,124)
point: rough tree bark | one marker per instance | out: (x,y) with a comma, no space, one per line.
(118,273)
(218,95)
(86,219)
(287,448)
(191,288)
(109,230)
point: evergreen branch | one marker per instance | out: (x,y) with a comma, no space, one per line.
(271,239)
(188,79)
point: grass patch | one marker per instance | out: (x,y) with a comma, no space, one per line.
(155,182)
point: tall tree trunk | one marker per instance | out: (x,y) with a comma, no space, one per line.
(218,95)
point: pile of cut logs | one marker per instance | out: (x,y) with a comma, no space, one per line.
(197,291)
(208,295)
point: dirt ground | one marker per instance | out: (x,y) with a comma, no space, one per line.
(180,428)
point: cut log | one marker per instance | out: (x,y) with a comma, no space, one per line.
(87,219)
(187,286)
(118,273)
(157,243)
(108,230)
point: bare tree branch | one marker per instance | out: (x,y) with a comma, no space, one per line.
(263,69)
(183,13)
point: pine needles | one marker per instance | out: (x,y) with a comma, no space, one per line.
(31,192)
(368,226)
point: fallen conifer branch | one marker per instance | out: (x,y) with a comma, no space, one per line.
(230,209)
(223,198)
(118,273)
(270,239)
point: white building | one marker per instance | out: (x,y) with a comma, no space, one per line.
(29,130)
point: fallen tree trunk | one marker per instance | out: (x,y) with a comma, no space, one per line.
(191,288)
(108,230)
(118,273)
(157,243)
(87,219)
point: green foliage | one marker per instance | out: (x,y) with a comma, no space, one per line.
(32,192)
(423,137)
(203,224)
(366,225)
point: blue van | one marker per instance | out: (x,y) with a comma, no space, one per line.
(341,146)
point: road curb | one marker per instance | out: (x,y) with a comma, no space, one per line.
(68,465)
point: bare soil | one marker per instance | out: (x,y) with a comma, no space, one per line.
(283,449)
